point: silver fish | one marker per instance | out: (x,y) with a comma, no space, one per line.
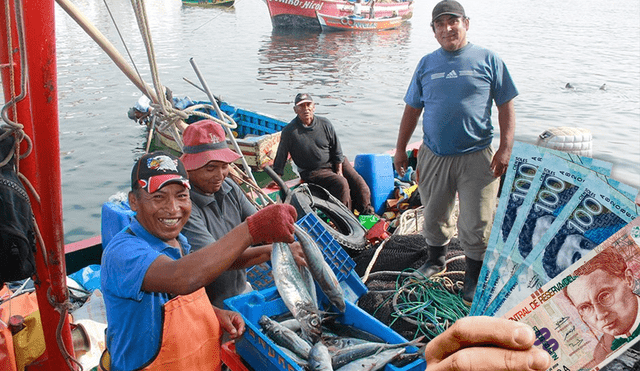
(335,343)
(293,292)
(319,358)
(295,358)
(284,337)
(309,284)
(320,270)
(373,363)
(351,353)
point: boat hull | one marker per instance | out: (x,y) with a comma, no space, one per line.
(206,3)
(331,23)
(302,13)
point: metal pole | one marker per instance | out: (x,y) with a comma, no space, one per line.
(108,48)
(38,112)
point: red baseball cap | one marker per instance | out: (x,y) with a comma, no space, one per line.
(157,169)
(205,141)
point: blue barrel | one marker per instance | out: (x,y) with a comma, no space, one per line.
(115,216)
(377,171)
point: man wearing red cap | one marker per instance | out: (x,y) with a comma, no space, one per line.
(315,149)
(218,206)
(456,86)
(158,312)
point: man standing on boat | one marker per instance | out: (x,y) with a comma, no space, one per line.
(456,86)
(158,313)
(315,149)
(218,206)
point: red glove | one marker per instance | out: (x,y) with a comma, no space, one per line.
(274,223)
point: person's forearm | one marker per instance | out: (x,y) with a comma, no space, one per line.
(407,126)
(252,256)
(195,270)
(507,122)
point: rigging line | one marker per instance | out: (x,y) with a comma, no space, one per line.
(210,20)
(135,67)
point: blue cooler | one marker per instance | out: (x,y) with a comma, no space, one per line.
(115,216)
(377,171)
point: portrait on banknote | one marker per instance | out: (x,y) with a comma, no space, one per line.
(603,294)
(589,314)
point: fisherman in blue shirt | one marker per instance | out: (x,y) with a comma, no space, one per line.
(455,86)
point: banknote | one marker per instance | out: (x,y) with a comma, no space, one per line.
(588,315)
(593,214)
(523,164)
(555,183)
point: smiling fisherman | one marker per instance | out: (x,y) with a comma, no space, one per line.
(456,86)
(158,313)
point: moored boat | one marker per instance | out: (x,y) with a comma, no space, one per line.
(302,13)
(333,23)
(207,3)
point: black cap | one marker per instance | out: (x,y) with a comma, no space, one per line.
(303,98)
(451,7)
(157,169)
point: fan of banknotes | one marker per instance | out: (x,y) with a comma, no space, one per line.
(561,227)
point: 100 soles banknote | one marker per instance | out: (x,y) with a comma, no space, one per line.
(589,314)
(592,215)
(523,165)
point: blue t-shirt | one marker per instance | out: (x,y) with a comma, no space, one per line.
(134,316)
(457,90)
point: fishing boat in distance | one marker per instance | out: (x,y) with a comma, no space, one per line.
(302,13)
(208,3)
(333,23)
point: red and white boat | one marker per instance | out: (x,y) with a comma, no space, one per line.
(302,13)
(332,23)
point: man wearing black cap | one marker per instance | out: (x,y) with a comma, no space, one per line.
(455,86)
(316,151)
(158,312)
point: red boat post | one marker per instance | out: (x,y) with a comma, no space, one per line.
(38,112)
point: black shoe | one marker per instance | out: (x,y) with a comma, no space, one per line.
(471,274)
(435,262)
(369,210)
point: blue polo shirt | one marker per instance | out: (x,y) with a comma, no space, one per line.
(134,316)
(457,90)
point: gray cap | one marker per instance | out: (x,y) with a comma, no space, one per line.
(451,7)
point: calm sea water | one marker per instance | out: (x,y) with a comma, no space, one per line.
(358,79)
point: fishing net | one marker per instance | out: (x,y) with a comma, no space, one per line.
(412,306)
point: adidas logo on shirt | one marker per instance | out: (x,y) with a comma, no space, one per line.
(452,75)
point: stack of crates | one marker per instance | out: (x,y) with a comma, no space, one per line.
(257,350)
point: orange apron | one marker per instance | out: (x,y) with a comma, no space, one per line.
(190,336)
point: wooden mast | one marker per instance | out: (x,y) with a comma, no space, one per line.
(38,112)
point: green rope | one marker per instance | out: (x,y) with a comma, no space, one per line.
(426,303)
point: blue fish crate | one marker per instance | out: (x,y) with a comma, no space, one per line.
(260,278)
(263,354)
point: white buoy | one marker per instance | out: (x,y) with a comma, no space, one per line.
(567,139)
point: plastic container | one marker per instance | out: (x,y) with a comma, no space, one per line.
(262,354)
(259,276)
(116,215)
(377,171)
(230,358)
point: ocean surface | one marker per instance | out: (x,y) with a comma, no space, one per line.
(357,78)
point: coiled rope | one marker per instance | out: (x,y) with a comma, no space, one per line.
(166,116)
(427,303)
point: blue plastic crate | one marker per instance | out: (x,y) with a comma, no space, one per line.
(262,354)
(340,262)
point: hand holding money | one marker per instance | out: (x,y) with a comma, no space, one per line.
(485,344)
